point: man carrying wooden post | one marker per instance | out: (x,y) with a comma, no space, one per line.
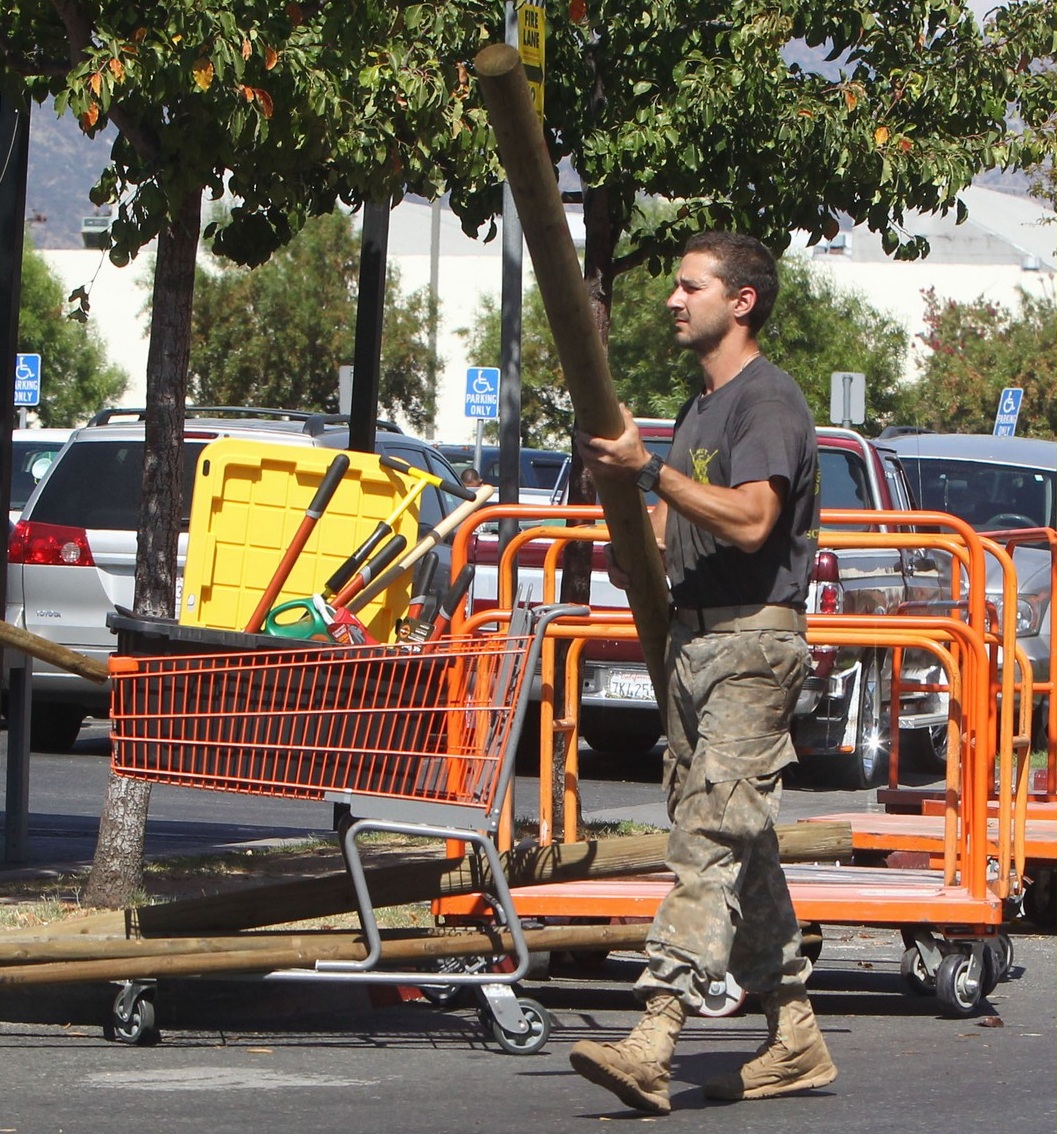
(738,525)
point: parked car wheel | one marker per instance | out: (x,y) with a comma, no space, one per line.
(615,736)
(55,728)
(926,748)
(868,764)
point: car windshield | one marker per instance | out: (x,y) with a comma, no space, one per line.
(990,496)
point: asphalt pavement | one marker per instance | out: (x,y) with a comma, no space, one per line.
(276,1058)
(281,1055)
(67,792)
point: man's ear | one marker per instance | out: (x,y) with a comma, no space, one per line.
(744,302)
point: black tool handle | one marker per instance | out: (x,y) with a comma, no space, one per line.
(328,486)
(356,560)
(451,486)
(456,593)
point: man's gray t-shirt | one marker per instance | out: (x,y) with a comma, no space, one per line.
(755,427)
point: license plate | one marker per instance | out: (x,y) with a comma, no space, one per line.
(631,686)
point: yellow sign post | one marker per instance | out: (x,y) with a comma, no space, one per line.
(532,43)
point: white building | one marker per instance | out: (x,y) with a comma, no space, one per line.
(1007,243)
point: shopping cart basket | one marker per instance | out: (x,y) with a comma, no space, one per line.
(410,739)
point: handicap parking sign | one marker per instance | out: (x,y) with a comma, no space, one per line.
(482,391)
(27,379)
(1008,411)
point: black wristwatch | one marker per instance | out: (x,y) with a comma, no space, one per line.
(650,473)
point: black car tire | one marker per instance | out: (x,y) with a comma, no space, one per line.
(55,728)
(634,740)
(867,766)
(925,748)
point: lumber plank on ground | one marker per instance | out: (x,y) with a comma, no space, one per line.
(422,880)
(303,951)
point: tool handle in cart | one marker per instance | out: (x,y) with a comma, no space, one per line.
(426,544)
(450,486)
(355,561)
(422,584)
(327,487)
(456,593)
(370,570)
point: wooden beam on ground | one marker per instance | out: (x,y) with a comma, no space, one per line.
(304,952)
(422,880)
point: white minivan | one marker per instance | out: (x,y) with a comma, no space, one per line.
(72,554)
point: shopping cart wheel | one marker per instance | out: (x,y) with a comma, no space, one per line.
(527,1043)
(133,1018)
(724,998)
(956,989)
(913,970)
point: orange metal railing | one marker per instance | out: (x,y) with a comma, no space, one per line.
(965,640)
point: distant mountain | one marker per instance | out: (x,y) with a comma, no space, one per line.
(64,165)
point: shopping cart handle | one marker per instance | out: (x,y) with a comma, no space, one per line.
(545,615)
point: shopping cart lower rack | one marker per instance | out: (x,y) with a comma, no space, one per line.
(416,741)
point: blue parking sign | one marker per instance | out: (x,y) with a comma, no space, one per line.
(1008,411)
(482,391)
(27,379)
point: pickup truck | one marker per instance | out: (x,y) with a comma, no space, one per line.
(842,721)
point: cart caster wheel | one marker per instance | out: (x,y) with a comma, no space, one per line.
(1002,947)
(912,969)
(135,1025)
(724,998)
(811,941)
(957,993)
(530,1042)
(442,995)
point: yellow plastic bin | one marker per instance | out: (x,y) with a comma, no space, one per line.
(249,500)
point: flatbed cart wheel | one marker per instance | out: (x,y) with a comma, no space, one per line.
(133,1019)
(913,970)
(442,995)
(531,1041)
(724,998)
(1002,947)
(957,992)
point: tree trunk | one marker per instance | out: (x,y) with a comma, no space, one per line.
(117,869)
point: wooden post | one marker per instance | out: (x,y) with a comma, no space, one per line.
(559,277)
(53,653)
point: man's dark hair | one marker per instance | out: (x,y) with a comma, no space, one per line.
(742,261)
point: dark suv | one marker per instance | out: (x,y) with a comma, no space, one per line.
(72,555)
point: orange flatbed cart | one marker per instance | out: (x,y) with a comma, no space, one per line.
(950,912)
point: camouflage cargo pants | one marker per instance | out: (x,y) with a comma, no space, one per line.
(730,702)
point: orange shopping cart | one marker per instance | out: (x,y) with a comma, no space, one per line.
(416,739)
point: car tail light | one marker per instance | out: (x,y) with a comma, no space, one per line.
(829,594)
(50,545)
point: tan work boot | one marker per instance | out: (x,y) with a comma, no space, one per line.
(636,1069)
(794,1058)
